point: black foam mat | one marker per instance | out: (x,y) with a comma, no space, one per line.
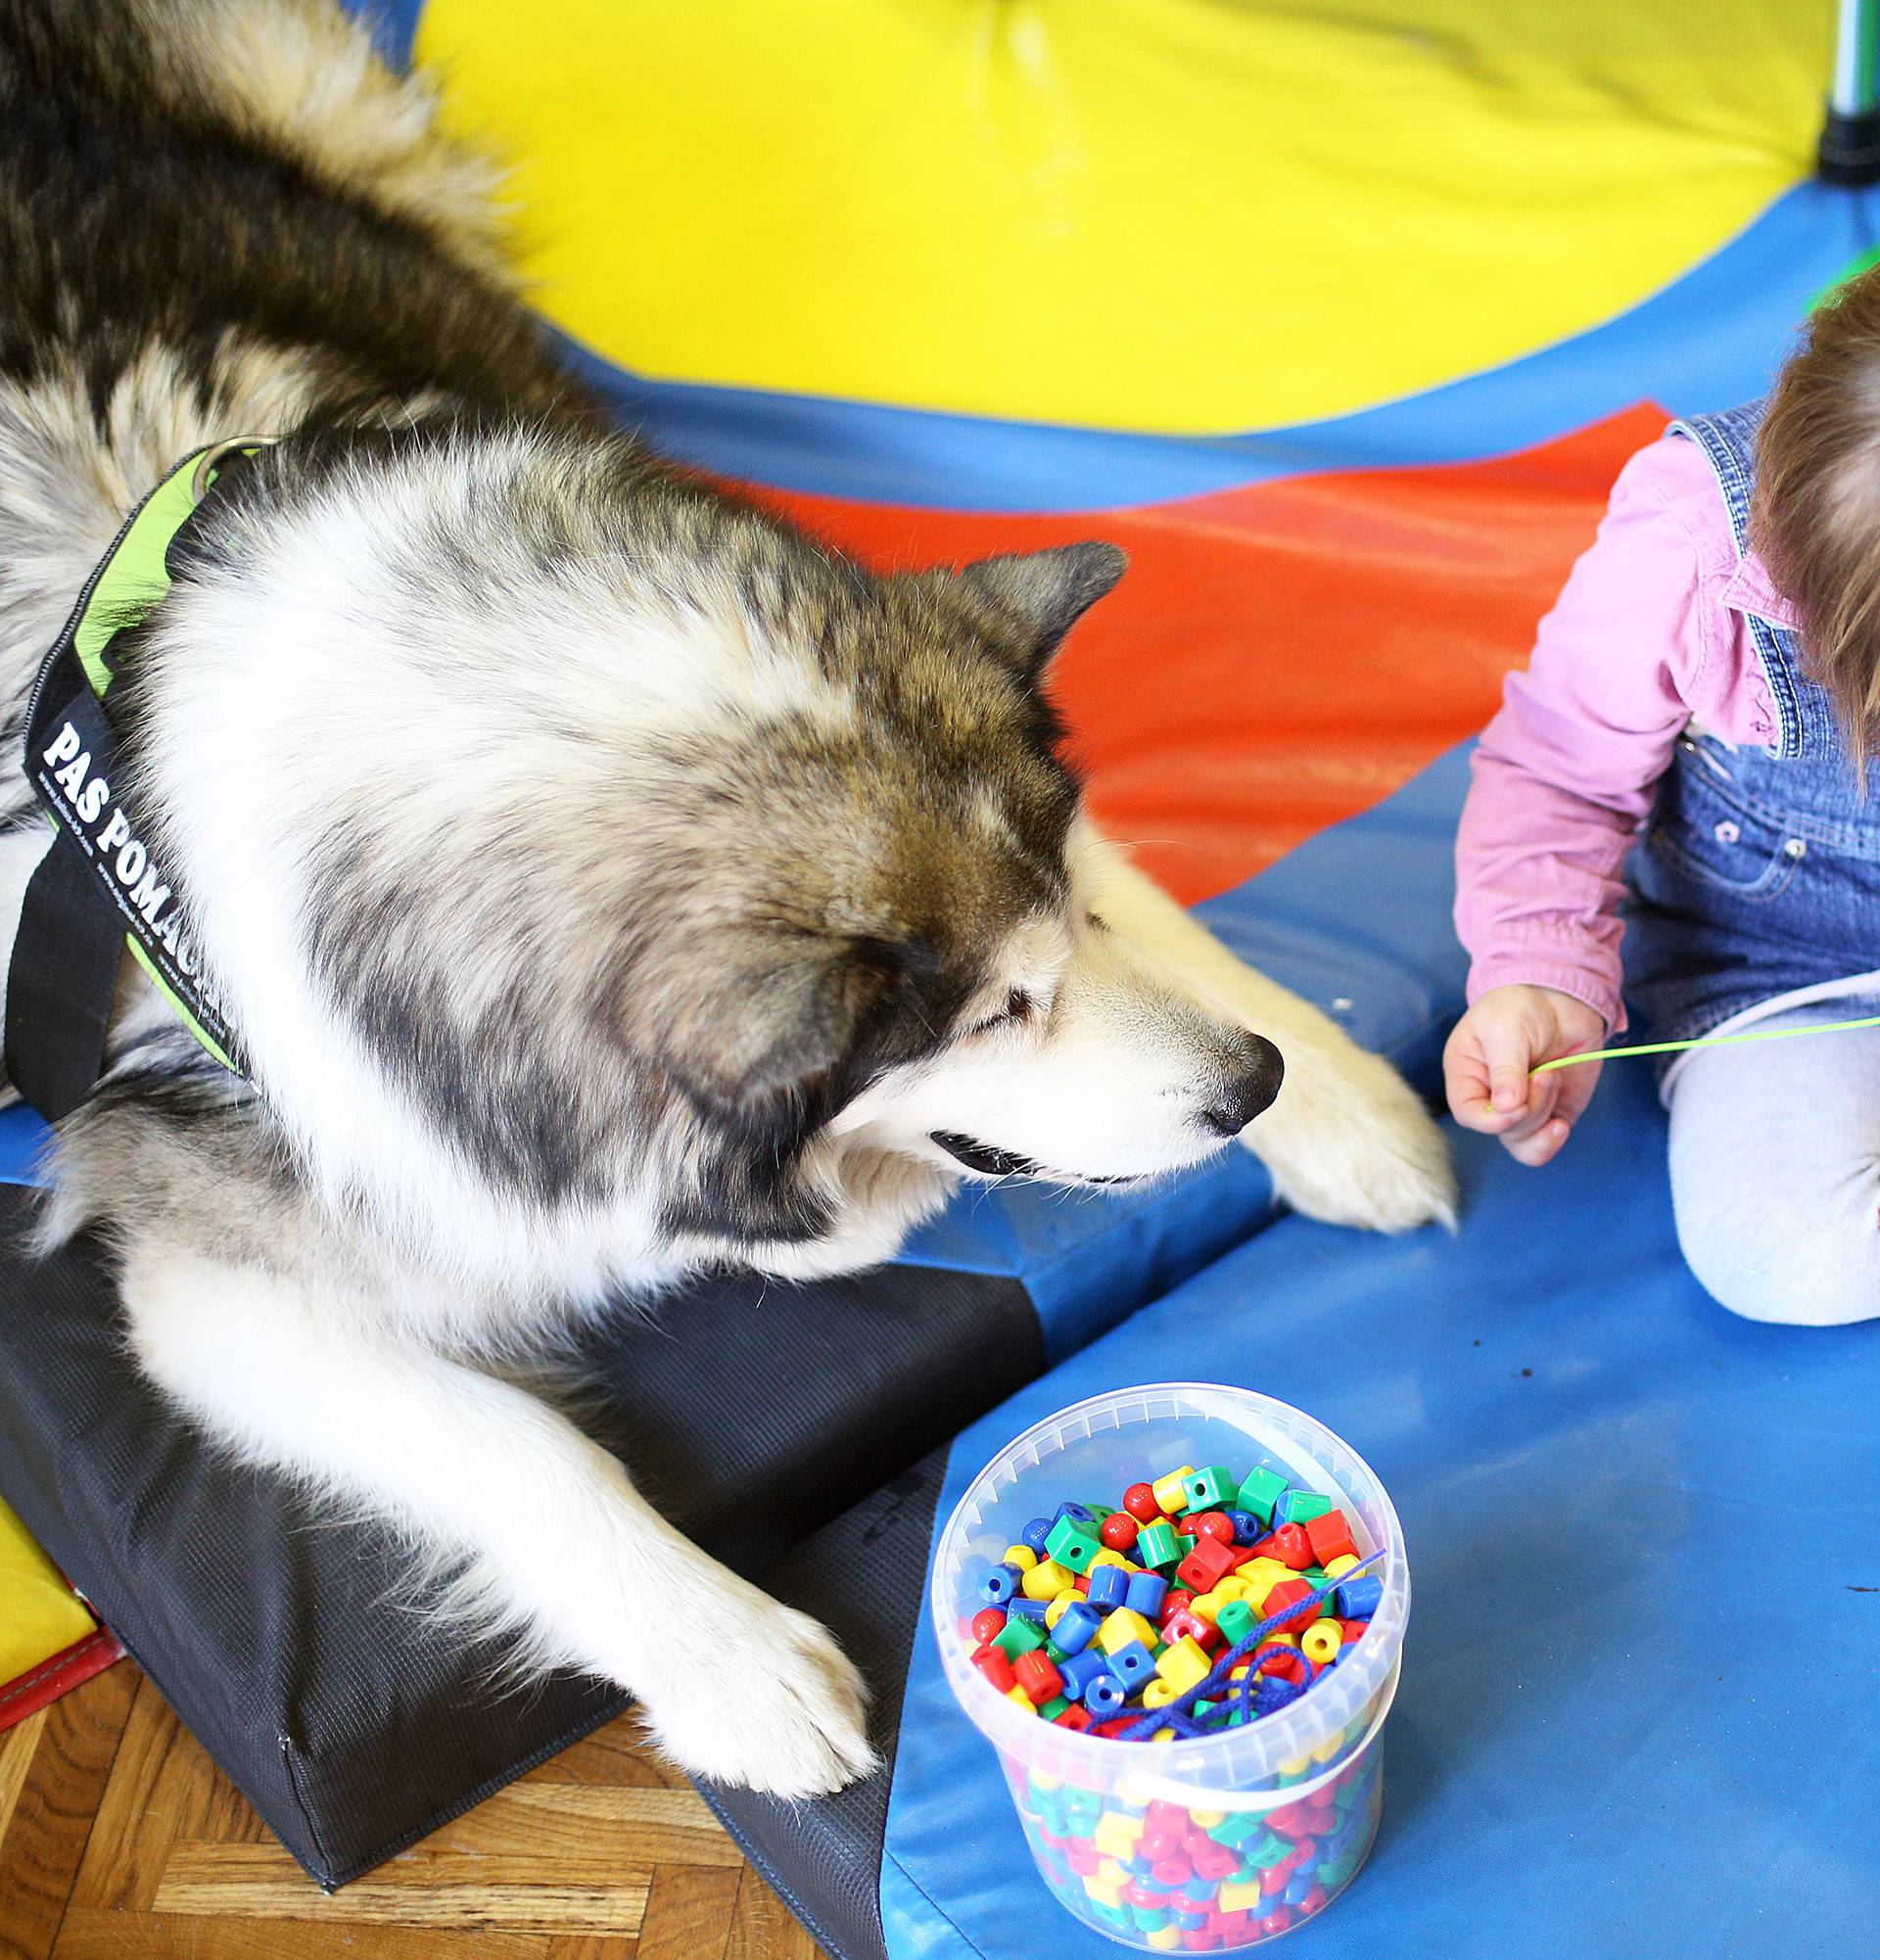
(754,1412)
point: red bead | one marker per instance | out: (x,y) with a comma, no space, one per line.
(1117,1724)
(1084,1860)
(1174,1870)
(1274,1879)
(1073,1719)
(1215,1862)
(1305,1852)
(1330,1537)
(1119,1531)
(1163,1816)
(1294,1547)
(998,1670)
(1198,1942)
(1139,1500)
(1153,1844)
(1352,1629)
(1312,1901)
(1186,1625)
(1276,1922)
(1206,1566)
(1281,1663)
(1175,1600)
(986,1622)
(1212,1524)
(1289,1593)
(1037,1674)
(1287,1819)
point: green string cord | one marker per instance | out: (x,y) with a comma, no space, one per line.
(1706,1041)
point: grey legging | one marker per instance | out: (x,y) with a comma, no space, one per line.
(1775,1171)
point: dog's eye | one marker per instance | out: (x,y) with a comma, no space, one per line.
(1019,1006)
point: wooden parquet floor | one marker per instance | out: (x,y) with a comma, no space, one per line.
(120,1840)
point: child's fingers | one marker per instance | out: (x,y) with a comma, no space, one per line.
(1538,1147)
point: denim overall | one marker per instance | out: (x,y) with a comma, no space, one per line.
(1759,869)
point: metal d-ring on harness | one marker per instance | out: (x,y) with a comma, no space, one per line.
(100,889)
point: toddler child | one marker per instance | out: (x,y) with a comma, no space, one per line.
(1691,742)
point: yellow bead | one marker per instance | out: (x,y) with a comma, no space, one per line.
(1233,1587)
(1111,1873)
(1296,1765)
(1103,1892)
(1163,1736)
(1117,1832)
(1021,1556)
(1122,1626)
(1239,1671)
(1207,1605)
(1058,1608)
(1205,1820)
(1171,1491)
(1046,1580)
(1327,1749)
(1020,1700)
(1255,1588)
(1290,1640)
(1108,1557)
(1321,1641)
(1237,1895)
(1042,1779)
(1159,1693)
(1165,1938)
(1183,1664)
(1345,1561)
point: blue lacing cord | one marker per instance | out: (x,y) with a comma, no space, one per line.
(1253,1695)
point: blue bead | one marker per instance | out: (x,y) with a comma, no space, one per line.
(1359,1598)
(1131,1665)
(1300,1884)
(1035,1533)
(1190,1922)
(1247,1530)
(1024,1608)
(1082,1512)
(999,1585)
(1146,1593)
(1081,1669)
(1103,1696)
(1108,1587)
(1077,1627)
(1139,1867)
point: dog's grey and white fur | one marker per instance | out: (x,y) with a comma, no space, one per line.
(606,879)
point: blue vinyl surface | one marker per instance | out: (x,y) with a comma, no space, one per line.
(1636,1709)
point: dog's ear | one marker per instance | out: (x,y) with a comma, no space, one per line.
(773,1023)
(1040,596)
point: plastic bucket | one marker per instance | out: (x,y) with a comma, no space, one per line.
(1294,1796)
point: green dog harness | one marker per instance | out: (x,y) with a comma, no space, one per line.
(100,889)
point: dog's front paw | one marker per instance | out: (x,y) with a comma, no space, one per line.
(776,1708)
(1351,1144)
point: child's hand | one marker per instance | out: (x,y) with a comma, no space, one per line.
(1485,1067)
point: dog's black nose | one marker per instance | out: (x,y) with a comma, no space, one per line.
(1257,1071)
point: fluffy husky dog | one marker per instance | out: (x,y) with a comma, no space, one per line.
(606,879)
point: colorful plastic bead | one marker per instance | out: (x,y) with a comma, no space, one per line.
(1145,1594)
(1171,1490)
(1046,1580)
(999,1585)
(1208,1562)
(1208,1489)
(1158,1543)
(1321,1641)
(1132,1664)
(1108,1587)
(1105,1696)
(1119,1531)
(1361,1597)
(1074,1544)
(1077,1626)
(1037,1676)
(1139,1500)
(1329,1536)
(1259,1492)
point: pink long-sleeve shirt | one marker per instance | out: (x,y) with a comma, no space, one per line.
(1649,635)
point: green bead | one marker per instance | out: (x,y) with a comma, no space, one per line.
(1055,1708)
(1018,1635)
(1072,1545)
(1157,1545)
(1150,1917)
(1210,1488)
(1236,1621)
(1236,1828)
(1297,1507)
(1260,1490)
(1266,1850)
